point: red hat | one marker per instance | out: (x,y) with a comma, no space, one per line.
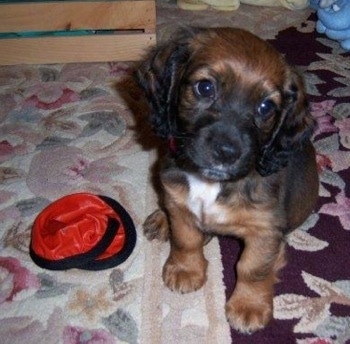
(82,231)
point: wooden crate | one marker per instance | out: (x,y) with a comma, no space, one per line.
(117,30)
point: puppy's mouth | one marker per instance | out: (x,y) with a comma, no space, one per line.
(222,170)
(222,173)
(216,174)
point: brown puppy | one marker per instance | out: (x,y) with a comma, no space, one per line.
(240,163)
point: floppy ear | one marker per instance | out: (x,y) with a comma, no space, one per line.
(292,132)
(158,76)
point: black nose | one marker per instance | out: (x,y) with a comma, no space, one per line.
(226,152)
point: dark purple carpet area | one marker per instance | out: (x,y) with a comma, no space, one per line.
(314,292)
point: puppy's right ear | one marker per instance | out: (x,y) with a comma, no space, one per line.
(158,76)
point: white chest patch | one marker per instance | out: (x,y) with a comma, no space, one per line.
(202,196)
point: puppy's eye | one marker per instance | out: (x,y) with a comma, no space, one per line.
(267,108)
(204,89)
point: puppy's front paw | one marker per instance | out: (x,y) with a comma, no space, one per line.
(185,278)
(156,226)
(248,314)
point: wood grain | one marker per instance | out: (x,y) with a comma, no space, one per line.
(69,15)
(99,48)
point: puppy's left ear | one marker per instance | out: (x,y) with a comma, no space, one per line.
(293,131)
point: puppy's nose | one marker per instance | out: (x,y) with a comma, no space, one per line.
(226,152)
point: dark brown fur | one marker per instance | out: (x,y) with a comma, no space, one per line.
(238,115)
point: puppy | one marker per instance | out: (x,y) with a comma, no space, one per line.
(240,160)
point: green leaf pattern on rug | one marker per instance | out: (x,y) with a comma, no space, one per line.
(109,121)
(122,325)
(50,287)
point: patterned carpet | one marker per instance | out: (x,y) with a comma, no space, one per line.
(80,127)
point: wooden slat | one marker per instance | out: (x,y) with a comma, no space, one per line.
(77,15)
(97,48)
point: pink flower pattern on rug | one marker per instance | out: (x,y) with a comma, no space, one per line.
(66,128)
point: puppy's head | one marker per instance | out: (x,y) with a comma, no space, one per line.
(229,98)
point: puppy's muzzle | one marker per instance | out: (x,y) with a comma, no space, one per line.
(222,154)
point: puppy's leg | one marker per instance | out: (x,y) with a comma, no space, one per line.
(156,226)
(186,266)
(250,306)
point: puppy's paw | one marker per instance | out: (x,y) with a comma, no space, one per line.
(156,226)
(185,278)
(248,315)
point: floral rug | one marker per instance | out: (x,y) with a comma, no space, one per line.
(69,128)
